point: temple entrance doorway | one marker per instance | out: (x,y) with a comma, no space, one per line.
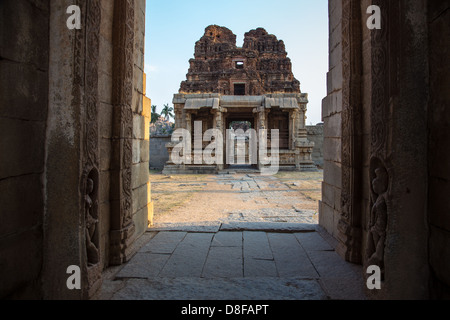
(240,155)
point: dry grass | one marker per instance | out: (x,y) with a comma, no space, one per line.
(171,192)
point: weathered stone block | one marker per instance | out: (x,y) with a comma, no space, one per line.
(334,79)
(27,39)
(335,55)
(139,127)
(106,27)
(28,103)
(332,104)
(140,175)
(333,126)
(332,149)
(20,260)
(326,217)
(105,118)
(334,13)
(328,194)
(106,52)
(105,87)
(105,152)
(439,253)
(439,206)
(24,143)
(22,203)
(141,221)
(145,150)
(136,151)
(333,173)
(104,186)
(140,199)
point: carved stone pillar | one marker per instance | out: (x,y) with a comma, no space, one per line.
(293,128)
(349,225)
(92,266)
(188,119)
(178,110)
(122,226)
(219,125)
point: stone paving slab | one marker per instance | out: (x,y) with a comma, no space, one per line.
(313,241)
(256,246)
(258,257)
(143,265)
(224,262)
(164,242)
(227,239)
(254,268)
(268,226)
(221,289)
(201,226)
(330,264)
(237,265)
(290,258)
(189,257)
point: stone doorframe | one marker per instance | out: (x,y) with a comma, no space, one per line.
(349,225)
(122,225)
(72,178)
(391,160)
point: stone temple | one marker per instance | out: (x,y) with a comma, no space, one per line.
(74,140)
(230,87)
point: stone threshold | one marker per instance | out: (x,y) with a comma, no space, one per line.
(213,227)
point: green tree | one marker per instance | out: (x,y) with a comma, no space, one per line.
(167,112)
(155,115)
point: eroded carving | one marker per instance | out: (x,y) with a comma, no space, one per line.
(378,218)
(91,222)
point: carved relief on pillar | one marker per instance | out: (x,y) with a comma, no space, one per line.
(122,226)
(294,115)
(380,170)
(349,225)
(90,151)
(376,235)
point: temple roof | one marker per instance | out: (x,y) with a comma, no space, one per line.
(261,66)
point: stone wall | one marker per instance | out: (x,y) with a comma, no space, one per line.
(61,122)
(24,70)
(142,206)
(158,151)
(106,112)
(330,206)
(315,134)
(159,155)
(439,153)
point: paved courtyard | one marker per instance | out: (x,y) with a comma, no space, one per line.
(261,243)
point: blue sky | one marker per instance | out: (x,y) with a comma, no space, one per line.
(173,27)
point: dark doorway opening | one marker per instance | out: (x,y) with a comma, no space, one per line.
(239,89)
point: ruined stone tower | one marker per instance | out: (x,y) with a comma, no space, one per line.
(260,67)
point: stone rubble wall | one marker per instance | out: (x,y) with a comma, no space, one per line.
(159,155)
